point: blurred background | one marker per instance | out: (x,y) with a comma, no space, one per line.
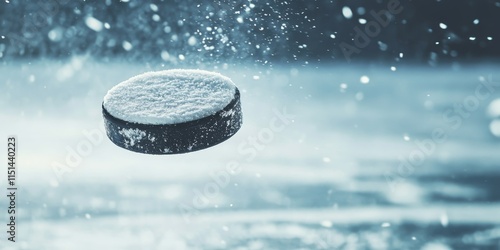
(389,115)
(253,31)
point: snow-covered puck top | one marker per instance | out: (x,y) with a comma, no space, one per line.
(169,96)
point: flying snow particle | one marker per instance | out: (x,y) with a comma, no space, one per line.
(153,7)
(32,78)
(343,87)
(156,18)
(362,21)
(443,26)
(55,34)
(347,12)
(401,55)
(239,19)
(192,41)
(386,224)
(472,38)
(107,26)
(444,220)
(165,55)
(489,38)
(364,79)
(406,137)
(127,45)
(256,77)
(88,216)
(494,108)
(382,46)
(495,127)
(332,36)
(326,223)
(93,24)
(476,21)
(393,68)
(182,57)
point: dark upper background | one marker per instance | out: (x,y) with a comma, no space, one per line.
(247,31)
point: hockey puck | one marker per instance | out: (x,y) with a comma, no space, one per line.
(172,111)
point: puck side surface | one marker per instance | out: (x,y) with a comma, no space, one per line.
(175,138)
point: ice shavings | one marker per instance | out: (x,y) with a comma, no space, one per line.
(170,96)
(133,135)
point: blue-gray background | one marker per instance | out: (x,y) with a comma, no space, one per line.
(330,178)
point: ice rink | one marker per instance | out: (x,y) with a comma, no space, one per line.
(329,157)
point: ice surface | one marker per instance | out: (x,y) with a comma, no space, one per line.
(170,96)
